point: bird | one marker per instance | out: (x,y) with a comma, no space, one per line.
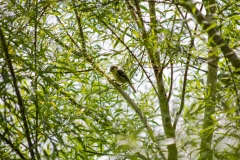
(120,76)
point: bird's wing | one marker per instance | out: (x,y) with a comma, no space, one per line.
(122,73)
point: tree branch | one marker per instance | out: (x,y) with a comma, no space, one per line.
(210,27)
(18,94)
(14,148)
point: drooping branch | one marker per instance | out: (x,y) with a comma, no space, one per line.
(210,27)
(18,94)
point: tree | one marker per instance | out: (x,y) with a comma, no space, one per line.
(58,100)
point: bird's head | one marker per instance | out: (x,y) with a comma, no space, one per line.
(113,67)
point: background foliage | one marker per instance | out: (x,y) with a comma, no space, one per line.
(58,100)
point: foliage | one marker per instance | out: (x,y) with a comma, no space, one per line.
(58,100)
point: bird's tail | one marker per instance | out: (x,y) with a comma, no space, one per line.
(132,87)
